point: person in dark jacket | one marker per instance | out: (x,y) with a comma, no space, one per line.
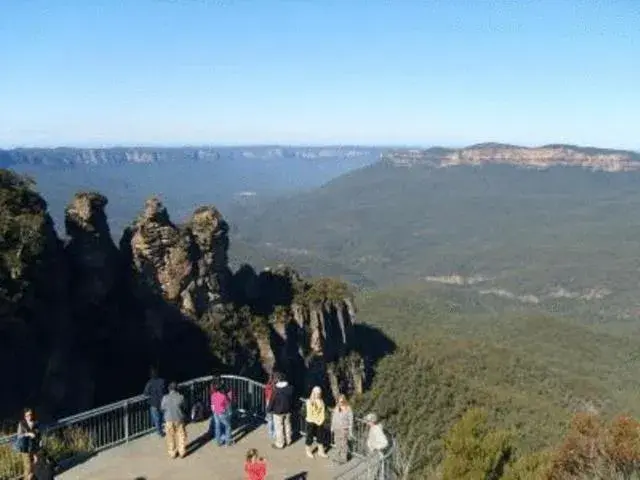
(28,440)
(155,390)
(281,405)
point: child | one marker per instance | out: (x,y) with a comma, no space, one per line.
(255,467)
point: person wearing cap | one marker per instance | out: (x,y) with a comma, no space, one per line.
(376,439)
(376,443)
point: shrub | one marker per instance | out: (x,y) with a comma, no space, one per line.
(473,451)
(67,443)
(593,449)
(60,445)
(534,466)
(10,462)
(622,445)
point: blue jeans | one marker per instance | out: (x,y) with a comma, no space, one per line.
(217,423)
(271,429)
(156,420)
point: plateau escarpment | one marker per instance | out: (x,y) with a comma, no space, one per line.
(84,319)
(73,157)
(540,157)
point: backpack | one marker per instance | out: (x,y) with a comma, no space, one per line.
(197,412)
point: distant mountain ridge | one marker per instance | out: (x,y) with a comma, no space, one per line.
(70,157)
(609,160)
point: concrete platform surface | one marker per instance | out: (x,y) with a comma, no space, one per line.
(146,458)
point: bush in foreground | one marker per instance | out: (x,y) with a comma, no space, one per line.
(59,445)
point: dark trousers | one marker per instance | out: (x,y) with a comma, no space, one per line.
(317,432)
(157,420)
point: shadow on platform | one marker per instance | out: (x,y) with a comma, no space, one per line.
(298,476)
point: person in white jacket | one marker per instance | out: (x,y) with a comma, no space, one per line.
(376,440)
(376,443)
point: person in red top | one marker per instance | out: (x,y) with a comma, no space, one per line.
(268,392)
(255,467)
(220,424)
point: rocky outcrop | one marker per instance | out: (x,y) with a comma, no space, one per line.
(540,157)
(309,329)
(92,256)
(188,265)
(85,319)
(34,308)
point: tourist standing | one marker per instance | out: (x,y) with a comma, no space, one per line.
(155,390)
(342,429)
(268,393)
(28,442)
(315,417)
(255,467)
(280,406)
(376,444)
(376,439)
(173,410)
(220,414)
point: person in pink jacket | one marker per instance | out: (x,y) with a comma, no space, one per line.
(220,414)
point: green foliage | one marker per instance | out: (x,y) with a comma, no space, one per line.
(308,264)
(528,232)
(60,445)
(528,372)
(68,443)
(473,451)
(533,466)
(22,222)
(320,290)
(232,334)
(10,462)
(260,326)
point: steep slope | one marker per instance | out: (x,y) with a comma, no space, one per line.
(85,319)
(530,372)
(547,237)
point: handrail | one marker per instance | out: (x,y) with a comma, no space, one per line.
(119,422)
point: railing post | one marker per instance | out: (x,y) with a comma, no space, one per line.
(126,421)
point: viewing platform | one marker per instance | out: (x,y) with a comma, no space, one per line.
(118,442)
(146,458)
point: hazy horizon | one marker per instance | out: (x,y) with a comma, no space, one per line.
(425,146)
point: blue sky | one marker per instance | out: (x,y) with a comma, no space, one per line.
(453,72)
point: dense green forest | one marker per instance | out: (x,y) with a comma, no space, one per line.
(528,373)
(510,295)
(561,240)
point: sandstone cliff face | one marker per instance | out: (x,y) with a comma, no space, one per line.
(85,319)
(309,330)
(33,299)
(541,157)
(92,256)
(187,265)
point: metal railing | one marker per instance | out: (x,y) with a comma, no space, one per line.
(105,427)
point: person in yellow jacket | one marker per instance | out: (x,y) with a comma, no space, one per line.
(316,414)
